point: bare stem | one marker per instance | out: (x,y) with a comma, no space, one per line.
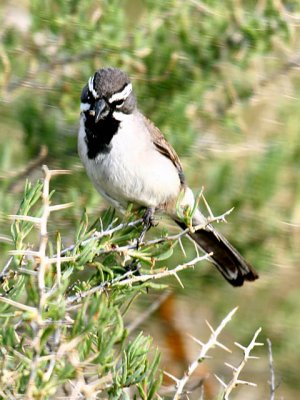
(128,279)
(205,347)
(272,372)
(43,265)
(235,381)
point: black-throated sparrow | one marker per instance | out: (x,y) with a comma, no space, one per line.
(129,161)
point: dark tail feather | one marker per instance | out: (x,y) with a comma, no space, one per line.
(226,258)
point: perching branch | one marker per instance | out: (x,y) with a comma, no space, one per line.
(129,279)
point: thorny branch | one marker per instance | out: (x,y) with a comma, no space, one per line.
(97,235)
(272,382)
(235,381)
(43,264)
(169,238)
(205,347)
(129,279)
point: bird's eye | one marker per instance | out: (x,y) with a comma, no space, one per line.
(118,103)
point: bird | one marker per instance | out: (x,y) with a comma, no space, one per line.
(130,161)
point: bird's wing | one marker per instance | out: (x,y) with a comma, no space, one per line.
(164,147)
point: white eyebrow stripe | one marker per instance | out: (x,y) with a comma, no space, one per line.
(84,106)
(121,95)
(91,87)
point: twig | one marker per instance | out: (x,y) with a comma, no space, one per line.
(128,279)
(42,268)
(57,333)
(235,381)
(169,238)
(96,289)
(272,383)
(5,268)
(20,306)
(95,237)
(163,274)
(205,347)
(98,235)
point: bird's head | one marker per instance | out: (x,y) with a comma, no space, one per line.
(108,93)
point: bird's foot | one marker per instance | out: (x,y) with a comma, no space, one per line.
(134,267)
(148,222)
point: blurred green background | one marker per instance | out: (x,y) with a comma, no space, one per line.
(221,80)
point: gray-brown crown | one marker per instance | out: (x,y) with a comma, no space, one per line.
(109,81)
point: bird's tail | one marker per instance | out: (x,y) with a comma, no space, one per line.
(226,258)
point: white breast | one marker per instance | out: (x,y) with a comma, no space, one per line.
(133,171)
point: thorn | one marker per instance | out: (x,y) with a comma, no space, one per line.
(57,171)
(196,340)
(196,249)
(232,312)
(207,206)
(240,346)
(240,382)
(220,381)
(28,253)
(223,218)
(210,327)
(253,357)
(222,346)
(181,247)
(54,260)
(176,380)
(178,279)
(28,218)
(60,206)
(230,366)
(205,358)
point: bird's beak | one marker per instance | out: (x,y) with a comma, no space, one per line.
(101,110)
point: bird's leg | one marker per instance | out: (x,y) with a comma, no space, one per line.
(134,266)
(148,221)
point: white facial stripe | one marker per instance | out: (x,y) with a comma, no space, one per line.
(91,87)
(119,116)
(121,95)
(84,106)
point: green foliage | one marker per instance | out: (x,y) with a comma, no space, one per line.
(58,327)
(218,79)
(135,369)
(20,229)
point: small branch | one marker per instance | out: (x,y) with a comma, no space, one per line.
(43,266)
(20,306)
(28,218)
(235,381)
(128,279)
(272,372)
(96,289)
(205,347)
(163,274)
(169,238)
(98,235)
(5,268)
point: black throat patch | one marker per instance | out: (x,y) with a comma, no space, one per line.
(98,136)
